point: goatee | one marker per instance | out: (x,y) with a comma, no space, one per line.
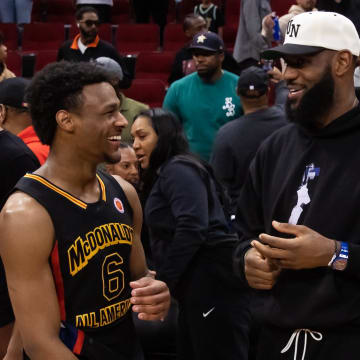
(315,103)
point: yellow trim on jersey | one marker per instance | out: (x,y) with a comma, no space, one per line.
(102,185)
(55,188)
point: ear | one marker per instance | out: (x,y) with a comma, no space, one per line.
(222,56)
(65,121)
(2,114)
(343,63)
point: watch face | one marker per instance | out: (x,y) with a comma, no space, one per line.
(340,264)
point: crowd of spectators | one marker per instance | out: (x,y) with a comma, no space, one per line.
(234,176)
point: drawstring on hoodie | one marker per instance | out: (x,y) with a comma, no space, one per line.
(295,335)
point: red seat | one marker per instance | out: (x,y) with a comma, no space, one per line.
(148,91)
(120,12)
(60,11)
(229,35)
(14,62)
(44,57)
(154,65)
(232,13)
(174,37)
(43,36)
(105,32)
(11,35)
(132,38)
(281,6)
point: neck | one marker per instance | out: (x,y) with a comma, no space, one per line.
(251,108)
(206,4)
(344,102)
(215,77)
(71,172)
(86,41)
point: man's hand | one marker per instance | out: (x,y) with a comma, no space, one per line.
(275,75)
(261,273)
(307,250)
(151,298)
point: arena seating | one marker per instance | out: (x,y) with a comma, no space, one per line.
(14,62)
(154,65)
(10,32)
(133,38)
(174,37)
(43,36)
(148,91)
(44,57)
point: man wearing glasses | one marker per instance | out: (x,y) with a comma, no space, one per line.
(87,46)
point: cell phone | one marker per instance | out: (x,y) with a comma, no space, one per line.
(267,65)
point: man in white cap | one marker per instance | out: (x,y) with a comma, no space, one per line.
(298,210)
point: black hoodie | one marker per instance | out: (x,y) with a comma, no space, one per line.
(325,164)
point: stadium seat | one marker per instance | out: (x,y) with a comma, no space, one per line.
(148,91)
(44,57)
(10,32)
(43,36)
(105,32)
(14,62)
(60,11)
(121,12)
(229,35)
(281,7)
(232,13)
(174,37)
(133,38)
(154,65)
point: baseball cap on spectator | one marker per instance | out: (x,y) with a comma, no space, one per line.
(112,66)
(311,32)
(253,82)
(12,92)
(207,40)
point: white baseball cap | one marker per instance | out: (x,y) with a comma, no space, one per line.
(311,32)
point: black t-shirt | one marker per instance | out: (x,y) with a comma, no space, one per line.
(16,159)
(212,15)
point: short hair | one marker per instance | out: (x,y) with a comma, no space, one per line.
(189,19)
(124,145)
(85,9)
(58,87)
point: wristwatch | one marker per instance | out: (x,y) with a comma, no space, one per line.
(340,258)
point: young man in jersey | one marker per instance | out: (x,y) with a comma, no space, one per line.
(71,236)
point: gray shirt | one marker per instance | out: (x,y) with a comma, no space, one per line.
(249,41)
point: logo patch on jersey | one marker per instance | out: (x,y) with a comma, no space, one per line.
(119,205)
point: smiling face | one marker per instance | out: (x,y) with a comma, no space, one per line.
(98,124)
(145,140)
(311,84)
(127,167)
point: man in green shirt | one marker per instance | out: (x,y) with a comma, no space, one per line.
(205,100)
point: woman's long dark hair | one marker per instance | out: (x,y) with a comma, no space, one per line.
(171,142)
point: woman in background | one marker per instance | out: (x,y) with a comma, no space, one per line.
(191,241)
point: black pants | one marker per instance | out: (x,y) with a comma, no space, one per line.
(341,343)
(213,317)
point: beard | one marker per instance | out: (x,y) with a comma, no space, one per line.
(89,36)
(314,105)
(208,74)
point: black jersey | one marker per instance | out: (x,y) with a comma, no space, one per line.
(90,258)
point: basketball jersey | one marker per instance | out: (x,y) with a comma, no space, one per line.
(90,257)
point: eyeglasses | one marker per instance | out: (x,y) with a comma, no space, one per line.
(90,23)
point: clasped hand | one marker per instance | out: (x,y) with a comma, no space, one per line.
(305,250)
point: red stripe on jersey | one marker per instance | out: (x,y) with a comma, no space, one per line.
(58,280)
(79,342)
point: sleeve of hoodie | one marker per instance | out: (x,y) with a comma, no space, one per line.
(186,193)
(249,218)
(254,11)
